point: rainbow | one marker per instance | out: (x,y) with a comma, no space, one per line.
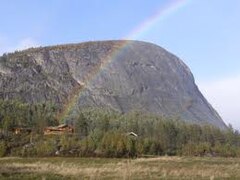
(136,33)
(162,13)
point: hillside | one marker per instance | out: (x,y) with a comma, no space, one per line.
(120,75)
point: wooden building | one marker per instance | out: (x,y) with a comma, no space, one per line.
(61,129)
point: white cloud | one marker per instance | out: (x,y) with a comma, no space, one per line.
(224,95)
(21,45)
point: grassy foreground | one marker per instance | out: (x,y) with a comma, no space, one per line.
(100,168)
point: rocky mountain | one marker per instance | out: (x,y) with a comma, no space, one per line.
(121,75)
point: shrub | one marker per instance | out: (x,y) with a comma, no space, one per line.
(2,148)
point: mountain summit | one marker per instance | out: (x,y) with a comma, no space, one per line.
(120,75)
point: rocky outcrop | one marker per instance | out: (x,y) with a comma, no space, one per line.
(121,75)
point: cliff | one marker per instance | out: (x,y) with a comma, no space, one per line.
(121,75)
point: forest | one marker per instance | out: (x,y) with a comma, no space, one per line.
(106,133)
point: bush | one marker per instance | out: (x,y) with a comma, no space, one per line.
(45,148)
(3,148)
(87,147)
(117,144)
(196,149)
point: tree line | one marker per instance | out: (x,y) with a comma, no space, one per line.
(106,133)
(18,114)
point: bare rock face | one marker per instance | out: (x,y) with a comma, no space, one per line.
(121,75)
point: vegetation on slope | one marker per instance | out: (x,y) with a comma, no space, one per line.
(104,133)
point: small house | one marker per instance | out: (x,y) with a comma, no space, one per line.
(61,129)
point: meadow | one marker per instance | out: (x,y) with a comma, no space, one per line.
(164,167)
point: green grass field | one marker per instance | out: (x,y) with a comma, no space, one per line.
(102,168)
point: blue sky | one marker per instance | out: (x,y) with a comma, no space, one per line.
(203,33)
